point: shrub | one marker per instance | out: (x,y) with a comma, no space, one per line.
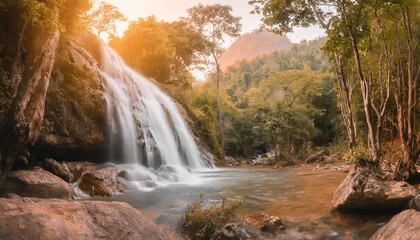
(202,223)
(357,155)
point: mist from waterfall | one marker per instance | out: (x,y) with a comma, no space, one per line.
(146,133)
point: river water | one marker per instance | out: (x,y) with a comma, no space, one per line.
(299,196)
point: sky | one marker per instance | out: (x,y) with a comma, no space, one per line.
(172,10)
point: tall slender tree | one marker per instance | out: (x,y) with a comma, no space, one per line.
(216,22)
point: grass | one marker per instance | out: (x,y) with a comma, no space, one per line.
(203,222)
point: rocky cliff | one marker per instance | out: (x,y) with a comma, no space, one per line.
(74,125)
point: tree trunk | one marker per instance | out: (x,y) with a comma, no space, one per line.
(365,85)
(219,111)
(406,168)
(25,116)
(345,102)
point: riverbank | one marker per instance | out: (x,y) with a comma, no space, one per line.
(300,195)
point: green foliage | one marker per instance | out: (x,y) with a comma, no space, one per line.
(216,23)
(268,105)
(206,125)
(103,19)
(48,14)
(202,222)
(160,50)
(356,155)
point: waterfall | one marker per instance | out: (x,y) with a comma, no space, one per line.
(146,133)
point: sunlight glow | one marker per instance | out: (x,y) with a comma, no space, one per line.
(170,10)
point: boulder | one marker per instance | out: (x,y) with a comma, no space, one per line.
(265,222)
(319,156)
(363,190)
(236,230)
(58,219)
(58,169)
(414,203)
(37,183)
(106,181)
(403,226)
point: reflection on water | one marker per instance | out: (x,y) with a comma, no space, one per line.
(302,199)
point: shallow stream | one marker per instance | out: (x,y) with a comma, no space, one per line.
(299,196)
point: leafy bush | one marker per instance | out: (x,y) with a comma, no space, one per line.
(202,223)
(356,155)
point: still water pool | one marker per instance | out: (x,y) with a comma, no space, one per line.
(299,196)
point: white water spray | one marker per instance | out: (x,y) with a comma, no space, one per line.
(146,132)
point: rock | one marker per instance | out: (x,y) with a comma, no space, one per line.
(58,169)
(403,226)
(362,190)
(232,161)
(59,219)
(332,158)
(236,230)
(414,203)
(102,182)
(264,222)
(319,156)
(37,183)
(74,122)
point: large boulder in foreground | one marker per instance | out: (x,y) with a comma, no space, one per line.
(404,226)
(363,190)
(59,219)
(37,183)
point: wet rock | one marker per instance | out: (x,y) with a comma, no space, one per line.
(59,219)
(235,231)
(102,182)
(264,222)
(58,169)
(403,226)
(319,156)
(363,190)
(37,183)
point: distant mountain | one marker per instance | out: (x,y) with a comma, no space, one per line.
(252,45)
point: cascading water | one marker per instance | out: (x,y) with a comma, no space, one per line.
(146,132)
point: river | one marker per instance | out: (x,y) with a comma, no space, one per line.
(297,195)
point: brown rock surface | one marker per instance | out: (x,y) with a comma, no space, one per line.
(37,183)
(362,190)
(58,169)
(403,226)
(105,181)
(58,219)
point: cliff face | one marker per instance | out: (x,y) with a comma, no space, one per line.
(252,45)
(74,125)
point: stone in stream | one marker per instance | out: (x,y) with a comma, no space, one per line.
(264,222)
(36,183)
(363,190)
(28,218)
(403,226)
(106,181)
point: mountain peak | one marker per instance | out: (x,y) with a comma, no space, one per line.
(252,45)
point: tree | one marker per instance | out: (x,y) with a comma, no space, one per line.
(103,19)
(216,22)
(161,50)
(379,36)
